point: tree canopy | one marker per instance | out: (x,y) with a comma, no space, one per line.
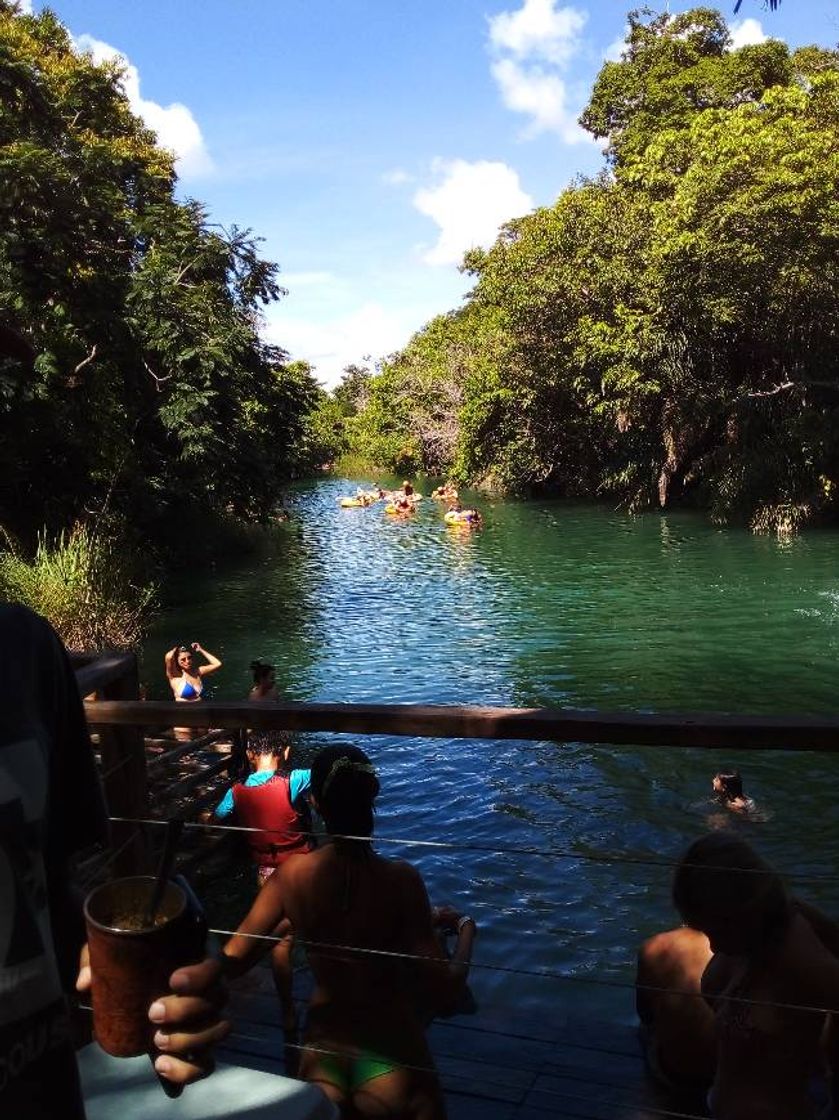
(668,329)
(132,372)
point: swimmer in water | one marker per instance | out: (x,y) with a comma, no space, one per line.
(728,790)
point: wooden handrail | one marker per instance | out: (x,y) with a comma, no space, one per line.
(108,668)
(703,730)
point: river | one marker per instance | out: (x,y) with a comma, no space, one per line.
(546,604)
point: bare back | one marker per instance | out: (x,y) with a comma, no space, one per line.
(362,902)
(767,1053)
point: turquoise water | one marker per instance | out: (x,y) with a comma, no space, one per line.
(545,605)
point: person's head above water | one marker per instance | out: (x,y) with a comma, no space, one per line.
(263,673)
(407,487)
(344,788)
(728,784)
(725,889)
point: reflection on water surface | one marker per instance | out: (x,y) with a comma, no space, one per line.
(553,605)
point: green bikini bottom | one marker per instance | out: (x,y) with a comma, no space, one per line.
(350,1075)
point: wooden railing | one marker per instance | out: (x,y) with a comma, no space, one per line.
(115,711)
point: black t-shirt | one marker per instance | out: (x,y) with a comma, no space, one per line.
(50,807)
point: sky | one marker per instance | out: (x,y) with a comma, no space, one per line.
(372,142)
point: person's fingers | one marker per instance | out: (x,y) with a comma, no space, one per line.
(83,979)
(183,1010)
(196,978)
(181,1071)
(185,1043)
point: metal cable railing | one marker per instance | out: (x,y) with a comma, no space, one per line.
(489,849)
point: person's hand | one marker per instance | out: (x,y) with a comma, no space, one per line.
(188,1022)
(445,918)
(195,647)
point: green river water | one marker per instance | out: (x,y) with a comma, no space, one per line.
(546,604)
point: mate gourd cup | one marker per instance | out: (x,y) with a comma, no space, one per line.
(131,965)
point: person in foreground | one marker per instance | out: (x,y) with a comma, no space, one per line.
(372,949)
(677,1026)
(773,978)
(51,808)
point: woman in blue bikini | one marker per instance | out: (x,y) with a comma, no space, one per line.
(186,679)
(370,934)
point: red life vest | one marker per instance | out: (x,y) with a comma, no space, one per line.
(268,807)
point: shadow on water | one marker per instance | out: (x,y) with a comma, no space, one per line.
(545,605)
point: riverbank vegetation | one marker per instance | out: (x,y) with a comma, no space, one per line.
(133,378)
(82,582)
(666,331)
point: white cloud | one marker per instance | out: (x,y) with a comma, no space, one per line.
(367,333)
(469,204)
(538,30)
(542,96)
(616,48)
(531,48)
(397,177)
(746,33)
(174,124)
(25,7)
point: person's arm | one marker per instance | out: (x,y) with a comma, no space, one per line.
(170,664)
(225,807)
(213,662)
(299,783)
(441,979)
(251,939)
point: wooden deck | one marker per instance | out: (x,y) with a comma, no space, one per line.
(561,1067)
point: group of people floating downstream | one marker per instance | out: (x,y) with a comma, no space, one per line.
(405,501)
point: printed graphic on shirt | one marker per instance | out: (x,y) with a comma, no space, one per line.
(28,975)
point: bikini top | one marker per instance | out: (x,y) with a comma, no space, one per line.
(188,691)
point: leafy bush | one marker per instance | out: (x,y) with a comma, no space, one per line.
(79,580)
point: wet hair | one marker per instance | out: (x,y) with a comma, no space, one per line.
(260,670)
(184,648)
(267,743)
(722,878)
(732,784)
(345,785)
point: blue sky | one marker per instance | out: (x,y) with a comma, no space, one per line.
(370,142)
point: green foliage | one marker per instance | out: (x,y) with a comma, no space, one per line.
(79,580)
(665,331)
(151,385)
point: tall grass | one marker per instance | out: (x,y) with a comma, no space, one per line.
(81,581)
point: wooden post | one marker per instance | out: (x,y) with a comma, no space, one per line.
(124,776)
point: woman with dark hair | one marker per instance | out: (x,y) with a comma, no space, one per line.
(773,974)
(728,790)
(372,947)
(185,675)
(264,682)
